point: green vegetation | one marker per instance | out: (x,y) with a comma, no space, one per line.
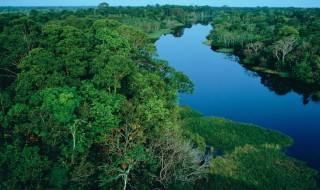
(225,50)
(227,135)
(86,104)
(264,168)
(157,34)
(269,71)
(282,41)
(252,157)
(208,42)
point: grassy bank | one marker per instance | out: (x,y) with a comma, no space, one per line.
(208,42)
(270,71)
(157,34)
(225,50)
(227,135)
(252,156)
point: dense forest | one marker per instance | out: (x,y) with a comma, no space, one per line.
(86,104)
(273,40)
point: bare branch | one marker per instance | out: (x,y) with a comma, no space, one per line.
(5,69)
(254,48)
(178,160)
(284,46)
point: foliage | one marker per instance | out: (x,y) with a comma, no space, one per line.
(186,112)
(227,135)
(251,157)
(280,37)
(86,98)
(302,71)
(264,168)
(88,105)
(26,166)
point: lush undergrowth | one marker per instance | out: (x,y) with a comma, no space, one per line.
(264,168)
(227,135)
(251,158)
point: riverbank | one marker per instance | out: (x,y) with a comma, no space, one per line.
(221,50)
(310,90)
(225,88)
(291,50)
(207,42)
(270,71)
(155,35)
(251,156)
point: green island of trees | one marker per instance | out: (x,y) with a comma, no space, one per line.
(86,104)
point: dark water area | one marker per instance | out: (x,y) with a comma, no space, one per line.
(226,89)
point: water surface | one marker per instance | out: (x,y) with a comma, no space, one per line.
(224,88)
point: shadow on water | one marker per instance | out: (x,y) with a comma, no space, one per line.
(225,88)
(179,31)
(282,86)
(204,20)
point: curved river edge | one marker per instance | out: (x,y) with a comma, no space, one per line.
(233,137)
(245,152)
(225,135)
(282,84)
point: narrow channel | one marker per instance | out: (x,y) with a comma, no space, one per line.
(224,88)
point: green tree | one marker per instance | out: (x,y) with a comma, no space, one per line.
(286,31)
(103,5)
(39,69)
(18,39)
(72,48)
(125,152)
(59,105)
(282,47)
(303,72)
(110,74)
(22,167)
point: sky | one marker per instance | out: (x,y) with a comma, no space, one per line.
(233,3)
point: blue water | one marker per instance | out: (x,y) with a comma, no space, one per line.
(224,88)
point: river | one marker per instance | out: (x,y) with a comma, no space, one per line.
(226,89)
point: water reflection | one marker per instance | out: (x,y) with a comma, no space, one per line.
(204,21)
(226,89)
(178,32)
(275,84)
(282,86)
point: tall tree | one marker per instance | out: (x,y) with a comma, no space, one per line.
(282,47)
